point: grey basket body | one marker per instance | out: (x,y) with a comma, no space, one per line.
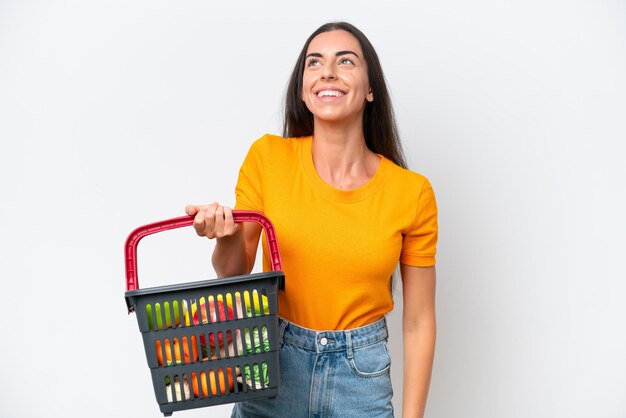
(211,342)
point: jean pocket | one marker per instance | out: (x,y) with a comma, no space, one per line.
(371,361)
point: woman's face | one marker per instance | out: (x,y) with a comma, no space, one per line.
(335,83)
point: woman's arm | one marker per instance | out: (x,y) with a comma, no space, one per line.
(235,255)
(419,331)
(235,249)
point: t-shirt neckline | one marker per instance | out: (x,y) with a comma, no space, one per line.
(338,195)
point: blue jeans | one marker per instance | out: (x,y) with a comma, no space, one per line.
(329,374)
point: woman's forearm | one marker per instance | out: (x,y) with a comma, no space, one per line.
(419,349)
(230,257)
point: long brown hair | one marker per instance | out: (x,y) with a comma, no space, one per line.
(379,126)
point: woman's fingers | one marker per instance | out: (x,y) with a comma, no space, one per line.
(191,210)
(230,226)
(212,221)
(199,223)
(224,224)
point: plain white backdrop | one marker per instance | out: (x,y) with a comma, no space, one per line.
(116,113)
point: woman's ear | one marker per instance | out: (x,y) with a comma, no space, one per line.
(370,96)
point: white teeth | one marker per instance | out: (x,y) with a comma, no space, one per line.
(331,93)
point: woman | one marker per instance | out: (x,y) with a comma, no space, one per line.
(345,213)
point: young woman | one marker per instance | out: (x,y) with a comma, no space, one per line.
(346,212)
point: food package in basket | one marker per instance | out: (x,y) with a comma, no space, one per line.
(210,310)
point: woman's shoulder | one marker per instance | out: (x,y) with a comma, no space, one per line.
(408,177)
(270,144)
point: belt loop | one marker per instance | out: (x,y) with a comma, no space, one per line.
(349,344)
(281,331)
(386,329)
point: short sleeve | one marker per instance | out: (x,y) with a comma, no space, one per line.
(419,243)
(249,187)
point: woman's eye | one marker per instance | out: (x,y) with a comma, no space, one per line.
(346,61)
(312,63)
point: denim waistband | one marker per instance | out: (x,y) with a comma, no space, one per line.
(329,341)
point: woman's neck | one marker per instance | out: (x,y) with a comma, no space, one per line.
(341,157)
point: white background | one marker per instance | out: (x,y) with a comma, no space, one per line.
(117,113)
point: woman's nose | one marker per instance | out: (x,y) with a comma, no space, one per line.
(328,73)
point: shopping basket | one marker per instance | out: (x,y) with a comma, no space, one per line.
(209,342)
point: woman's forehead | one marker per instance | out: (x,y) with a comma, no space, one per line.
(336,40)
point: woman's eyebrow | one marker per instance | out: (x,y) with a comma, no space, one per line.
(337,54)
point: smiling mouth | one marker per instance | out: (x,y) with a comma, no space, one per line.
(330,93)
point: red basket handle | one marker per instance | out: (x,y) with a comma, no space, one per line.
(132,281)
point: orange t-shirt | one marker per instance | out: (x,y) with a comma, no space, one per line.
(339,248)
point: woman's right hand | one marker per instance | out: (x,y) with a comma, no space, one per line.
(213,221)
